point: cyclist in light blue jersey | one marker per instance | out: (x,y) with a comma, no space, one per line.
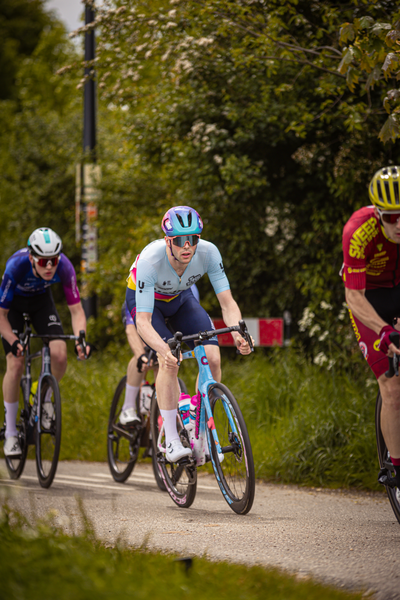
(159,287)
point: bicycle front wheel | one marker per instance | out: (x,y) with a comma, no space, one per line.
(180,481)
(123,443)
(385,460)
(48,441)
(234,466)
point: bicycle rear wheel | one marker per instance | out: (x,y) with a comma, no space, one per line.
(48,441)
(123,443)
(155,424)
(235,472)
(385,460)
(180,481)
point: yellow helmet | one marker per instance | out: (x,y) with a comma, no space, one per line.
(384,189)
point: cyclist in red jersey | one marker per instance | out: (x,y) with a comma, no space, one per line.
(371,275)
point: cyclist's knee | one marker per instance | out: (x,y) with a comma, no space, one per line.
(15,366)
(58,353)
(390,392)
(214,359)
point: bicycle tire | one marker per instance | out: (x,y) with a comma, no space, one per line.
(48,442)
(122,446)
(154,450)
(15,465)
(180,481)
(384,459)
(235,474)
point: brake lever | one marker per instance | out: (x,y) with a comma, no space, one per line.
(244,332)
(175,346)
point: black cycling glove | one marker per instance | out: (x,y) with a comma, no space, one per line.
(14,347)
(87,346)
(141,362)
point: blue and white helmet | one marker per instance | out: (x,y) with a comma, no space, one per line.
(181,220)
(44,242)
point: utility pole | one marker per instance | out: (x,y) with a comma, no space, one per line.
(88,175)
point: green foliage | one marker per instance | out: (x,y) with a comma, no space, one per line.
(22,22)
(38,558)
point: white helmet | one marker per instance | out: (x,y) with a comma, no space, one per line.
(44,242)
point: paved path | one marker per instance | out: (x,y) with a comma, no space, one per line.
(350,540)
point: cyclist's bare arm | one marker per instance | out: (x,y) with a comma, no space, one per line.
(232,315)
(78,321)
(365,312)
(134,341)
(151,337)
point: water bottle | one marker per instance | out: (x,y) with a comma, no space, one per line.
(198,440)
(146,393)
(184,407)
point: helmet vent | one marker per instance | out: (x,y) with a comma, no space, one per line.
(39,248)
(57,247)
(180,220)
(379,188)
(387,191)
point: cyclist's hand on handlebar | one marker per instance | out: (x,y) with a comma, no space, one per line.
(242,345)
(17,348)
(83,353)
(385,344)
(169,360)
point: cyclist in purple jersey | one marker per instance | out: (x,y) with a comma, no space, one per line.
(25,288)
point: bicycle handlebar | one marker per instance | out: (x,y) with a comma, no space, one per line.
(394,360)
(175,343)
(24,338)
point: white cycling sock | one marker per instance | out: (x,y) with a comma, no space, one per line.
(11,410)
(169,418)
(131,393)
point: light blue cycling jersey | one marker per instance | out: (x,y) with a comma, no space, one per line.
(153,278)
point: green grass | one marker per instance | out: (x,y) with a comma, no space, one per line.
(40,562)
(307,425)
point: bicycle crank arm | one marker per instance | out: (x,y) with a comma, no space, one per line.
(131,437)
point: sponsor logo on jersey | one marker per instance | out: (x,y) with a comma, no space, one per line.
(357,333)
(7,287)
(362,236)
(377,264)
(222,267)
(193,280)
(376,345)
(364,349)
(141,286)
(351,270)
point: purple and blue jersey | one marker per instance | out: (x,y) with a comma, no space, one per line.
(19,279)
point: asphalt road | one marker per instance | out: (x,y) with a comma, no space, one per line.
(350,540)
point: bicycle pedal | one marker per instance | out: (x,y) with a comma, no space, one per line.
(386,479)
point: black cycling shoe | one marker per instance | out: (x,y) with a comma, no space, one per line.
(386,479)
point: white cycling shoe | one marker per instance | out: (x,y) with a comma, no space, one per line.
(175,451)
(47,415)
(12,447)
(129,417)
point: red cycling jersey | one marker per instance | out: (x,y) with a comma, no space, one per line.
(371,259)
